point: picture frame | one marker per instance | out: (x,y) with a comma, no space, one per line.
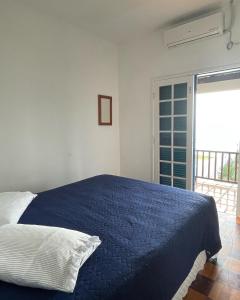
(104,110)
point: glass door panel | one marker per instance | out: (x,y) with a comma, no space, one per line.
(173,132)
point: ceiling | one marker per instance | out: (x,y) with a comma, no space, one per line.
(121,21)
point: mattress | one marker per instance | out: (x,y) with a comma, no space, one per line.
(151,236)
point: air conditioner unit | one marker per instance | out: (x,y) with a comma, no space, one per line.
(205,27)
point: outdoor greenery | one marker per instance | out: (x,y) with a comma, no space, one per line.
(225,171)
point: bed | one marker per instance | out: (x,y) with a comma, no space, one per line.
(151,236)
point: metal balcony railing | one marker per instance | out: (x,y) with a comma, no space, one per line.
(217,165)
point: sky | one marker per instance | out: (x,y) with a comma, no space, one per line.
(218,121)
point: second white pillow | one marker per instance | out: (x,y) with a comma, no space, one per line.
(13,205)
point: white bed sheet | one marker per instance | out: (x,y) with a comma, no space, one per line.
(197,266)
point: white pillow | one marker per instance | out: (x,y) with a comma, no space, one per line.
(43,257)
(13,205)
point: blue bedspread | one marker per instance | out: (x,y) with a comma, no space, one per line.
(151,234)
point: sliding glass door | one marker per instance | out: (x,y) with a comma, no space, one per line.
(173,132)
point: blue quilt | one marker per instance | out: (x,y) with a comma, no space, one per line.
(151,234)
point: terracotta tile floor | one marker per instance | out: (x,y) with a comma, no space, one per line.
(221,281)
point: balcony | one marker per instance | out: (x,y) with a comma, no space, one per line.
(216,174)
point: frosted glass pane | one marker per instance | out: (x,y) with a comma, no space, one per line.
(165,154)
(165,108)
(179,170)
(179,183)
(165,92)
(165,139)
(165,168)
(165,180)
(179,155)
(165,124)
(180,107)
(180,124)
(180,90)
(180,139)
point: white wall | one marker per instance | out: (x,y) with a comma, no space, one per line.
(50,76)
(145,59)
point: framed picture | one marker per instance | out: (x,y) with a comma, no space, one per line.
(104,110)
